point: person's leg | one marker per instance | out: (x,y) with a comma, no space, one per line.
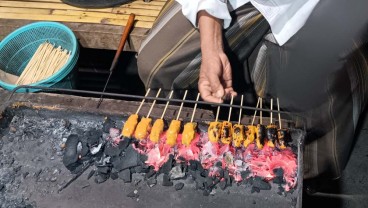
(170,56)
(322,73)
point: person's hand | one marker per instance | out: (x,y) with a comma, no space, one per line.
(215,78)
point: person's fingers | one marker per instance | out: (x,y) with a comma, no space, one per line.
(206,92)
(216,86)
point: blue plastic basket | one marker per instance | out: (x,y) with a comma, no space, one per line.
(17,49)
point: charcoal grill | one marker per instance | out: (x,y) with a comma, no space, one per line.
(113,193)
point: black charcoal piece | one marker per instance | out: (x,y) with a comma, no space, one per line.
(131,158)
(111,150)
(123,144)
(193,165)
(125,175)
(166,181)
(103,169)
(91,174)
(168,165)
(218,164)
(259,183)
(138,169)
(150,173)
(143,158)
(70,154)
(255,189)
(278,172)
(221,173)
(93,137)
(181,158)
(114,175)
(227,177)
(245,174)
(204,173)
(151,182)
(279,180)
(85,149)
(133,194)
(209,182)
(216,180)
(132,170)
(222,185)
(108,123)
(100,178)
(117,163)
(179,186)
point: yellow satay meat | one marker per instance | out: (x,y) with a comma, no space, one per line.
(143,128)
(250,135)
(238,135)
(172,132)
(156,131)
(226,132)
(188,133)
(130,125)
(214,131)
(271,135)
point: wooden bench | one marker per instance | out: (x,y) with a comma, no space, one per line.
(95,28)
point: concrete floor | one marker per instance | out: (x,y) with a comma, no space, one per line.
(351,190)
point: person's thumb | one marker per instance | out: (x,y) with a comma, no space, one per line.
(216,87)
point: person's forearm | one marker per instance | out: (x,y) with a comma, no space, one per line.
(210,33)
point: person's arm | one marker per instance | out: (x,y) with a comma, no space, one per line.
(215,78)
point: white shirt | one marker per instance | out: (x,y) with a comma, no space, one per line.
(285,17)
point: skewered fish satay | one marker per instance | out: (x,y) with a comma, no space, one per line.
(174,128)
(132,121)
(190,128)
(250,135)
(238,129)
(227,127)
(260,136)
(214,129)
(271,134)
(130,125)
(271,130)
(158,126)
(144,126)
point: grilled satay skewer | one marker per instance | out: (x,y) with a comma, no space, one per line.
(227,127)
(261,131)
(214,128)
(250,133)
(282,134)
(271,130)
(174,128)
(132,121)
(190,128)
(238,129)
(144,126)
(158,126)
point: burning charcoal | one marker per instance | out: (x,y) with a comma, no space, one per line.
(218,164)
(177,173)
(126,176)
(221,173)
(151,182)
(103,170)
(108,124)
(91,174)
(195,165)
(114,175)
(278,172)
(179,186)
(150,173)
(70,154)
(100,178)
(123,144)
(259,183)
(245,174)
(133,194)
(168,165)
(114,132)
(166,181)
(112,151)
(222,184)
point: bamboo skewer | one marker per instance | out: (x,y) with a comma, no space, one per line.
(195,108)
(255,112)
(144,99)
(231,108)
(260,112)
(153,104)
(278,109)
(167,104)
(271,111)
(181,105)
(241,109)
(217,113)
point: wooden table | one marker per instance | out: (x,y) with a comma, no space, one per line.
(95,28)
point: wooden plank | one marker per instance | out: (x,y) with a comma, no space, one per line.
(81,19)
(89,35)
(152,2)
(45,5)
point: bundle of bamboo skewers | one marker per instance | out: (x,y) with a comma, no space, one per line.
(45,62)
